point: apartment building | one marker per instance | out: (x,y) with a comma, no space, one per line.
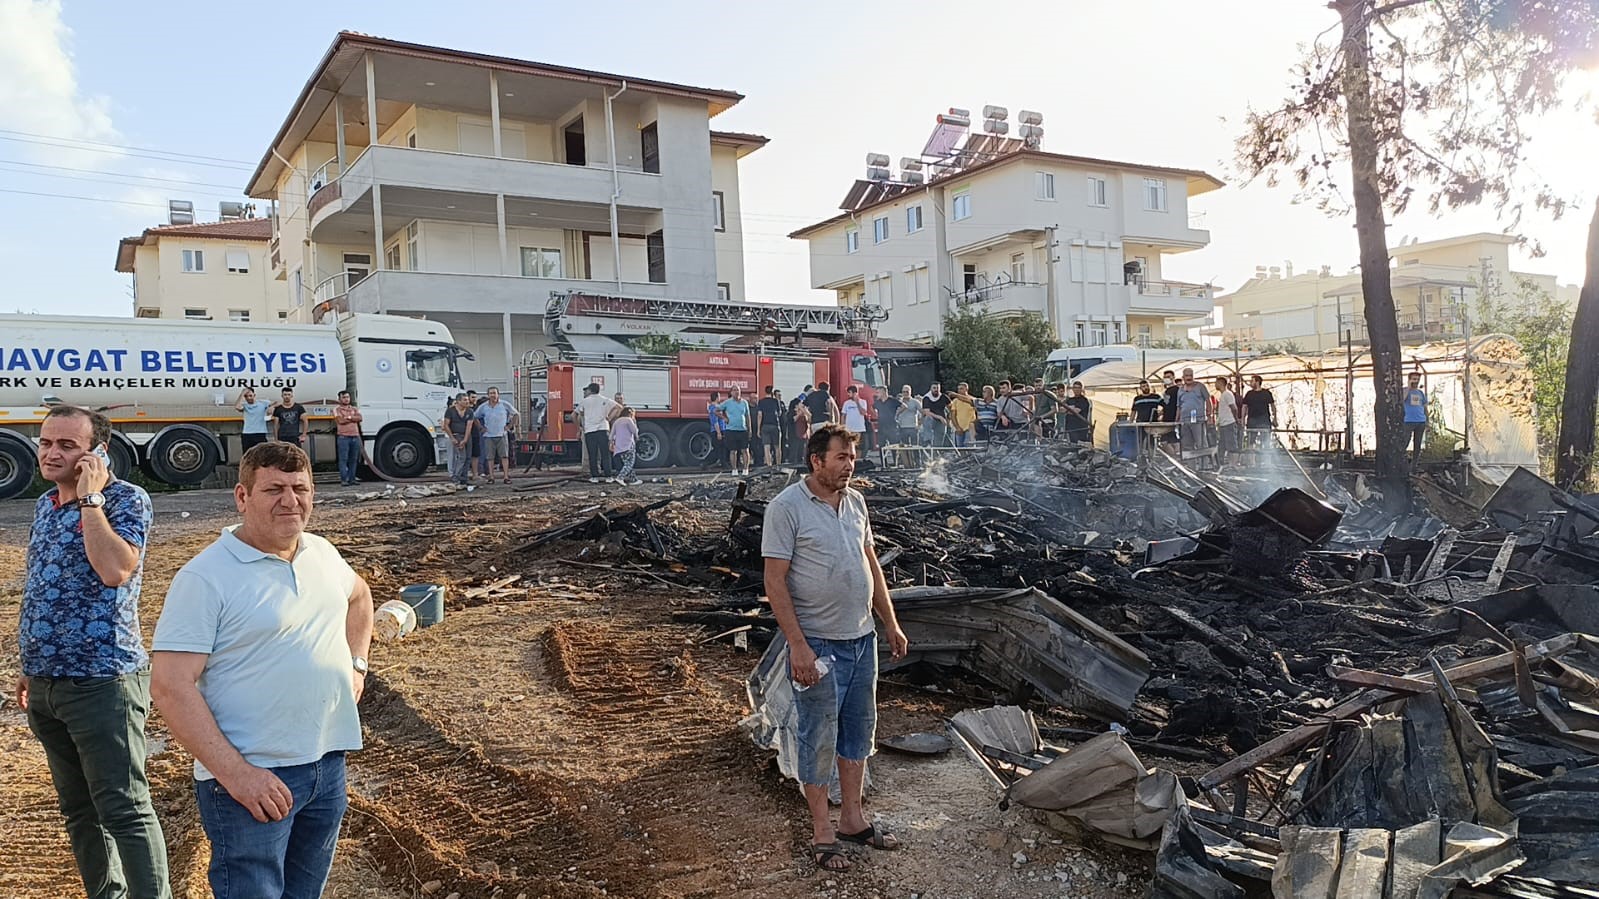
(469,188)
(984,221)
(216,270)
(1436,287)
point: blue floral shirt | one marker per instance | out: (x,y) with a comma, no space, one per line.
(73,625)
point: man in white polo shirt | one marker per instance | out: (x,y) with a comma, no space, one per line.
(259,660)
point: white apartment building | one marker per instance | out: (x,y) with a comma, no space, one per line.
(1436,286)
(1010,229)
(217,270)
(468,188)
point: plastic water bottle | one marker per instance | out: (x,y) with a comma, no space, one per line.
(821,671)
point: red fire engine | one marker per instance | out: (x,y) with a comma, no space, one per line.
(670,394)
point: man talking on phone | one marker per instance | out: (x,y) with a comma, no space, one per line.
(85,680)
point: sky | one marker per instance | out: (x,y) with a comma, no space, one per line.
(109,109)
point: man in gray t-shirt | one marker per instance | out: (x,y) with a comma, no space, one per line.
(1193,411)
(824,583)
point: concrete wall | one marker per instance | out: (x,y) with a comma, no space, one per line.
(161,283)
(729,242)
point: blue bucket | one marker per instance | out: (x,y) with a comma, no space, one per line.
(427,600)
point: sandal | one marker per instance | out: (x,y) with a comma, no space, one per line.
(829,857)
(873,837)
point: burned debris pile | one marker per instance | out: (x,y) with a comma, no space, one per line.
(1353,702)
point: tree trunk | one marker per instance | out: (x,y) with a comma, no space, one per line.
(1574,464)
(1371,230)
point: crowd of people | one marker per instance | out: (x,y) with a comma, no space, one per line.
(1193,418)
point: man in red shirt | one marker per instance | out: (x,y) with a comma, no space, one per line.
(347,427)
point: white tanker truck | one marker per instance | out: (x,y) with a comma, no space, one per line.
(169,387)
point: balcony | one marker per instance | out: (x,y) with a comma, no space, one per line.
(1005,298)
(1170,298)
(275,256)
(464,174)
(441,292)
(1412,331)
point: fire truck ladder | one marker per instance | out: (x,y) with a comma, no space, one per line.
(566,309)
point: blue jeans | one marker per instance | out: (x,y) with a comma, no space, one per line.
(838,716)
(349,458)
(287,859)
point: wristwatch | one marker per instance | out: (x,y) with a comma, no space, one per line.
(91,501)
(359,663)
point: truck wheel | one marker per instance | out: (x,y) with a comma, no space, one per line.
(122,458)
(695,444)
(182,456)
(18,464)
(653,449)
(403,453)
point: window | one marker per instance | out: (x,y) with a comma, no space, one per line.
(1018,267)
(195,314)
(650,143)
(724,291)
(1045,183)
(194,260)
(410,140)
(655,249)
(391,257)
(719,210)
(922,285)
(541,262)
(430,367)
(299,289)
(238,260)
(968,277)
(1096,335)
(913,219)
(238,315)
(412,245)
(961,206)
(357,266)
(283,315)
(885,292)
(852,240)
(1097,194)
(1155,194)
(880,229)
(1145,335)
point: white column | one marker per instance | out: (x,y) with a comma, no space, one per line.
(338,125)
(499,220)
(371,102)
(510,363)
(377,189)
(494,119)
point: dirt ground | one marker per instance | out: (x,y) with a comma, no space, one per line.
(563,738)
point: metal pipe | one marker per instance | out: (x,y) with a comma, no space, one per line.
(616,186)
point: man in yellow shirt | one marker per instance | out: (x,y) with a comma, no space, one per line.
(963,416)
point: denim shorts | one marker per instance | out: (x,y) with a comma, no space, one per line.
(838,716)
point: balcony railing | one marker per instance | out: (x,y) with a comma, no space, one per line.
(323,188)
(999,292)
(332,288)
(275,253)
(1151,288)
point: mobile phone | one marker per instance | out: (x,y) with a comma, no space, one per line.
(104,456)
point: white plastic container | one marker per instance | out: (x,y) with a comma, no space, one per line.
(394,619)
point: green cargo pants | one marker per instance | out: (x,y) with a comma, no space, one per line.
(92,729)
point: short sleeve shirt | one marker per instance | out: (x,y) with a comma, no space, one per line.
(596,409)
(770,411)
(72,624)
(908,412)
(854,412)
(255,417)
(936,405)
(1415,406)
(277,673)
(829,577)
(738,414)
(458,421)
(494,417)
(289,418)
